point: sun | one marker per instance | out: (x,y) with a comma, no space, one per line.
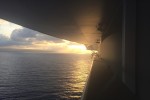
(80,49)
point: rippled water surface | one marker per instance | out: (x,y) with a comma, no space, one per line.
(42,76)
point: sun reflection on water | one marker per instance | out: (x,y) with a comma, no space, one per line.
(75,85)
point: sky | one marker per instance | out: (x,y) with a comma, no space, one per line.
(16,37)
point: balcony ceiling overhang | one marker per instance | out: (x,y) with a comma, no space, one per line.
(74,20)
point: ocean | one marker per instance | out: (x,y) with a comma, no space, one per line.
(43,76)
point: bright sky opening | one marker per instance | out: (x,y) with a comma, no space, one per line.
(14,36)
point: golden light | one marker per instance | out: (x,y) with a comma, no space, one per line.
(79,75)
(79,48)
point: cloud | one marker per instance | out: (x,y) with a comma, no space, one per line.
(23,35)
(15,35)
(2,37)
(28,35)
(43,37)
(5,41)
(28,39)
